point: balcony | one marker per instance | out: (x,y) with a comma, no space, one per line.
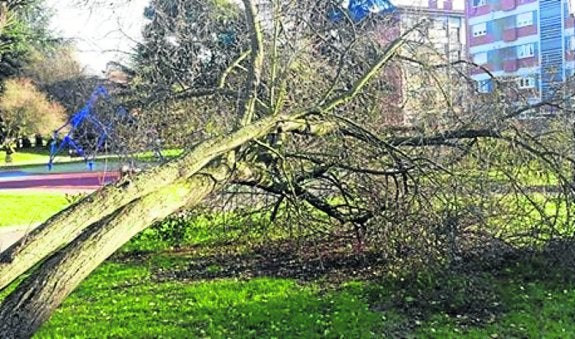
(482,68)
(510,34)
(528,62)
(526,31)
(481,40)
(510,65)
(508,5)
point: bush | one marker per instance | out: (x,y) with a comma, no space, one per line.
(25,110)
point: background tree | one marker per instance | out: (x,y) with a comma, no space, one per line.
(24,36)
(186,45)
(24,27)
(57,72)
(25,111)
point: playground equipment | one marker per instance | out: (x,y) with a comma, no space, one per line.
(86,118)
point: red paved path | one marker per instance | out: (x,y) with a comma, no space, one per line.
(83,180)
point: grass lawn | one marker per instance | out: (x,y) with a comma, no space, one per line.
(25,208)
(129,300)
(222,284)
(31,157)
(41,157)
(124,301)
(536,301)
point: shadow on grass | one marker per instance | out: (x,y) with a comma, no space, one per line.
(474,293)
(281,291)
(281,260)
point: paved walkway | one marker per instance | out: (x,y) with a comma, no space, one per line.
(9,235)
(56,181)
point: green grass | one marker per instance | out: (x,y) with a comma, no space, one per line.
(122,300)
(41,156)
(25,208)
(128,298)
(206,230)
(538,303)
(31,157)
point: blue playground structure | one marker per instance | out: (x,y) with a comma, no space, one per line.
(87,115)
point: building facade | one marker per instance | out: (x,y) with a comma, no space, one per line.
(529,44)
(423,93)
(445,30)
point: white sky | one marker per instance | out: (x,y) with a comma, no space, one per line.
(101,33)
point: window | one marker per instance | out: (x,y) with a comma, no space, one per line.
(478,3)
(525,51)
(454,55)
(571,43)
(526,82)
(454,22)
(479,29)
(480,58)
(484,86)
(439,23)
(524,19)
(454,35)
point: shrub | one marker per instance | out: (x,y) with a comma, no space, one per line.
(25,110)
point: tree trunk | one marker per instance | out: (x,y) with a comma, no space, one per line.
(26,309)
(65,226)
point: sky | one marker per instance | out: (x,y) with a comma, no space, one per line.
(102,33)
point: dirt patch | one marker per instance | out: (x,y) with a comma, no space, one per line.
(304,261)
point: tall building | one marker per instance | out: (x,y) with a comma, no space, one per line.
(445,30)
(531,43)
(408,91)
(424,94)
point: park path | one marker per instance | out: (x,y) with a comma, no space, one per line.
(58,181)
(10,234)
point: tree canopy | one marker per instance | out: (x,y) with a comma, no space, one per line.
(23,28)
(25,110)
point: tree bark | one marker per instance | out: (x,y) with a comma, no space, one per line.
(65,226)
(25,310)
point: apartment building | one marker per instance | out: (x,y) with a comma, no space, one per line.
(527,43)
(445,28)
(423,94)
(409,89)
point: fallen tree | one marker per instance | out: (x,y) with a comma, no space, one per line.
(302,139)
